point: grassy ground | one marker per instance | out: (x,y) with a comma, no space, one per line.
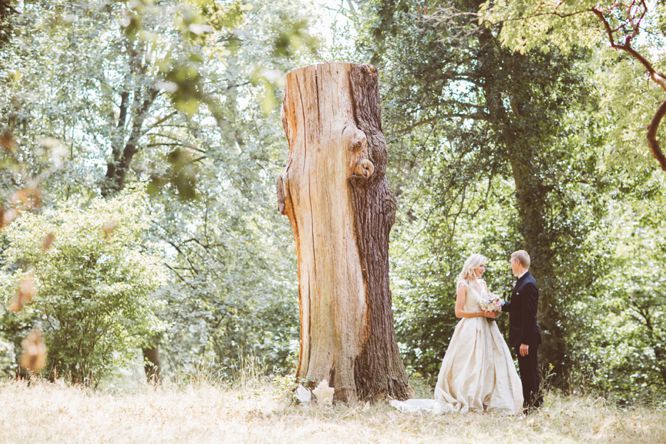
(254,413)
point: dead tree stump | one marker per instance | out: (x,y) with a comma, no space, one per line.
(335,193)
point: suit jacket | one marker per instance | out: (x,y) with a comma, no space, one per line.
(523,328)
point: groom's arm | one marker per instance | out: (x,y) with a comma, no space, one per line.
(531,299)
(506,306)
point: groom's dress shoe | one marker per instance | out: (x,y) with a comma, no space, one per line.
(531,409)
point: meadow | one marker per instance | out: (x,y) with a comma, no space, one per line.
(261,410)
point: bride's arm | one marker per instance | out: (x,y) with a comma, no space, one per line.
(461,297)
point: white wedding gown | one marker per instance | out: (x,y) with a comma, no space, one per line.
(477,372)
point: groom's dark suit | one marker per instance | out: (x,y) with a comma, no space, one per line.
(523,329)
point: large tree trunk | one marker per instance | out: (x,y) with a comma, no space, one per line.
(336,196)
(152,364)
(538,241)
(522,143)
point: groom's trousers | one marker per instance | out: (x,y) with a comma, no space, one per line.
(529,376)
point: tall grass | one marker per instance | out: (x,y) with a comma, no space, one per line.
(258,410)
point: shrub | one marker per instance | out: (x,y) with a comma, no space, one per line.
(95,285)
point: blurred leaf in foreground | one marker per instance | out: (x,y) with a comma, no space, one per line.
(33,357)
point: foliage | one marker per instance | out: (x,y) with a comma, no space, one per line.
(535,24)
(234,299)
(7,358)
(7,7)
(470,123)
(229,250)
(189,90)
(95,285)
(210,145)
(619,344)
(633,28)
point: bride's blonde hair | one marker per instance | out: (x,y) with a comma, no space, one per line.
(472,262)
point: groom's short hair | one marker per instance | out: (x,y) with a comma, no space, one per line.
(522,257)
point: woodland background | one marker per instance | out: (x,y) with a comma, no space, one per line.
(141,141)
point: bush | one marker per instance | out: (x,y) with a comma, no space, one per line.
(7,357)
(94,285)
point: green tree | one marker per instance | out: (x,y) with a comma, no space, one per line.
(632,28)
(181,96)
(469,115)
(94,285)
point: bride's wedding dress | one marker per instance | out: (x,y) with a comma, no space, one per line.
(477,372)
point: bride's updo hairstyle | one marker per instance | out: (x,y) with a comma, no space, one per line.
(470,265)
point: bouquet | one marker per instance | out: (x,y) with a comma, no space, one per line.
(491,302)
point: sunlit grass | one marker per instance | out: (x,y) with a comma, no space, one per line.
(255,411)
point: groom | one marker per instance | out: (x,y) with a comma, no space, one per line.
(524,335)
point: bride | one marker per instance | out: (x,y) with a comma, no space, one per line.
(477,372)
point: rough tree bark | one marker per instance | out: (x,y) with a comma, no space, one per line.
(336,196)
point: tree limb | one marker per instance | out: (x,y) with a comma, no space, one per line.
(654,75)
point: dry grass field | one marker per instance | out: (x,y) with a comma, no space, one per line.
(255,413)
